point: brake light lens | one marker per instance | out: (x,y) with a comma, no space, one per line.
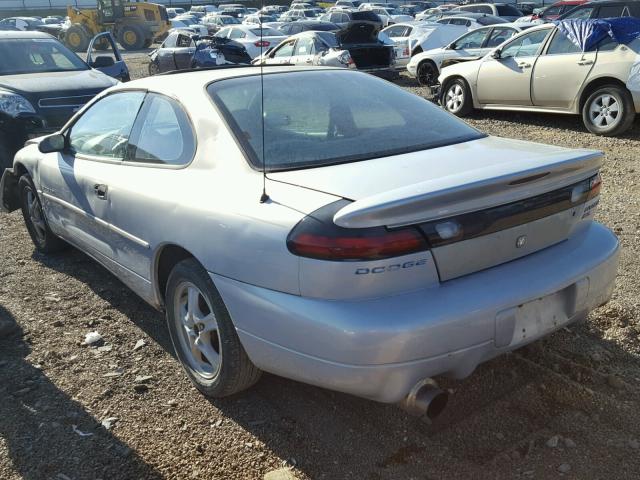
(262,43)
(595,183)
(316,236)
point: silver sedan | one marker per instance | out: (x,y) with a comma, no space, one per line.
(331,228)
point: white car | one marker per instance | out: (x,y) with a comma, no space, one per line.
(185,23)
(471,20)
(254,39)
(426,66)
(411,38)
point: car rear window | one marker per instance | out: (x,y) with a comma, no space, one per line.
(266,32)
(508,11)
(313,119)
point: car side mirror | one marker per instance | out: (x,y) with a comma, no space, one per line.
(103,61)
(497,54)
(53,143)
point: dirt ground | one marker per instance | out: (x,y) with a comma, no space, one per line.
(563,408)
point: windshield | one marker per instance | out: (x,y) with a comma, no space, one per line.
(490,20)
(313,119)
(37,55)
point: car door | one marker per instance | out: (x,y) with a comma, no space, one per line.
(77,183)
(560,72)
(166,61)
(282,54)
(162,144)
(110,64)
(506,80)
(183,53)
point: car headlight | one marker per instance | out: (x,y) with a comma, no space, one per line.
(13,104)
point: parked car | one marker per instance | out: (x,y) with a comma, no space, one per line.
(184,22)
(356,46)
(389,16)
(236,12)
(254,39)
(604,9)
(295,15)
(51,25)
(42,84)
(344,18)
(259,20)
(541,69)
(471,20)
(473,247)
(502,10)
(425,66)
(204,10)
(174,12)
(347,4)
(411,38)
(553,12)
(184,50)
(216,22)
(292,28)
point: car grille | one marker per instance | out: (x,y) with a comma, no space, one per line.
(62,102)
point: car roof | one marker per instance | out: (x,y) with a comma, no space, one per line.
(31,34)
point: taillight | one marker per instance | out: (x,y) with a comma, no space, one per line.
(262,43)
(595,183)
(316,236)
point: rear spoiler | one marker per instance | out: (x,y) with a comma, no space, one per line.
(464,192)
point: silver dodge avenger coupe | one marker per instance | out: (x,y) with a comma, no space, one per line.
(331,228)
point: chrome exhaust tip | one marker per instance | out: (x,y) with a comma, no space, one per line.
(425,398)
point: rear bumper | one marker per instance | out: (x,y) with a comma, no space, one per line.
(379,348)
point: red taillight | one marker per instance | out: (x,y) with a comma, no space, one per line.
(262,43)
(316,236)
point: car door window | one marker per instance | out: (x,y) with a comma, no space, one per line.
(284,50)
(611,11)
(103,130)
(552,11)
(499,35)
(224,33)
(296,29)
(184,41)
(162,133)
(561,45)
(237,33)
(472,40)
(527,45)
(459,21)
(304,46)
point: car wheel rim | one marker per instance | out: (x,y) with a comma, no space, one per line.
(426,75)
(130,37)
(455,98)
(35,215)
(197,330)
(604,111)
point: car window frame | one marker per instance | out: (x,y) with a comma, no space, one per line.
(541,49)
(67,129)
(485,30)
(514,32)
(545,51)
(137,163)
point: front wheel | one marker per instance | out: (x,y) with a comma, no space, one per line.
(41,235)
(427,74)
(608,111)
(131,37)
(154,69)
(456,98)
(203,335)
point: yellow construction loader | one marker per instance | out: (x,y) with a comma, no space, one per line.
(134,24)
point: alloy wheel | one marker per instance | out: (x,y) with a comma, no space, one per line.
(454,98)
(604,111)
(198,330)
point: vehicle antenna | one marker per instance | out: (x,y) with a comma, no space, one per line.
(264,197)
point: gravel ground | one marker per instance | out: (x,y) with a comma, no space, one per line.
(563,408)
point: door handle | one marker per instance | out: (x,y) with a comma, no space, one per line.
(524,65)
(100,191)
(585,62)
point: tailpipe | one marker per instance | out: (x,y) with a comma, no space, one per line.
(425,398)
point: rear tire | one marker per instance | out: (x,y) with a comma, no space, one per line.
(608,111)
(43,238)
(76,38)
(427,73)
(456,98)
(131,37)
(203,335)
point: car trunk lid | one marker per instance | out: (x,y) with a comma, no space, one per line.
(532,184)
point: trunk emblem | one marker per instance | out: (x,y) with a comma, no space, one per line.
(521,241)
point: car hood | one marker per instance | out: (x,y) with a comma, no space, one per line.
(41,83)
(360,31)
(411,187)
(436,36)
